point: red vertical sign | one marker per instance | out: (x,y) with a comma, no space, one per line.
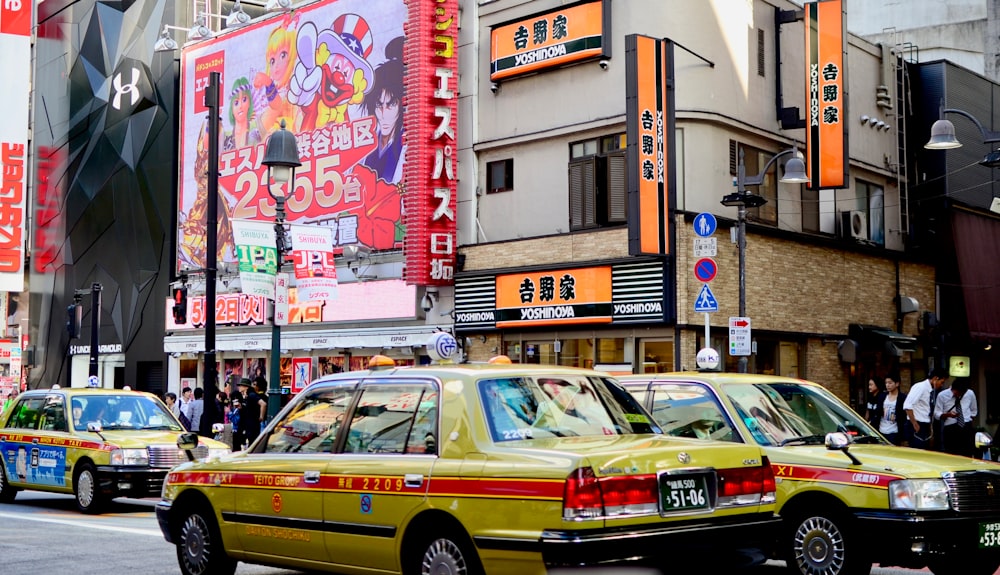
(431,58)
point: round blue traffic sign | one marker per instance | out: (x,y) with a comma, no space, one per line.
(705,269)
(705,224)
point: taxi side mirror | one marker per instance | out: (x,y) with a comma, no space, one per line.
(187,442)
(983,440)
(840,441)
(94,427)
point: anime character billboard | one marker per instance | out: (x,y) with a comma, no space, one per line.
(332,72)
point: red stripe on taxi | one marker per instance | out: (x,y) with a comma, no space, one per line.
(389,484)
(56,441)
(833,475)
(507,487)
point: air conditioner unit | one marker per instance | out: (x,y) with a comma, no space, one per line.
(854,225)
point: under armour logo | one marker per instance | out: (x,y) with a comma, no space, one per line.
(132,89)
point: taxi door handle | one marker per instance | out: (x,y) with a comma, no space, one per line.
(413,480)
(311,476)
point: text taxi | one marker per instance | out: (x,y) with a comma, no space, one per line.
(849,498)
(94,443)
(465,469)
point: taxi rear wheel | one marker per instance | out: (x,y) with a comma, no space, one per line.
(199,547)
(447,554)
(7,491)
(87,489)
(820,545)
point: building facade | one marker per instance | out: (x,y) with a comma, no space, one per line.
(548,142)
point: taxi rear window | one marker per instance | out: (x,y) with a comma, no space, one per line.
(533,407)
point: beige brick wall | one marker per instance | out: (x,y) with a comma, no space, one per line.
(801,288)
(555,250)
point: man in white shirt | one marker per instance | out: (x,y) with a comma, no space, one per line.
(956,408)
(919,408)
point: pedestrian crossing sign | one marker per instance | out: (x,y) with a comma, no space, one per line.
(706,301)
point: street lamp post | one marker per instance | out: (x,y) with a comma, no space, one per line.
(209,377)
(281,156)
(795,173)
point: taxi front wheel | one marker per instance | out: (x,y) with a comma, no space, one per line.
(89,498)
(448,553)
(199,546)
(822,545)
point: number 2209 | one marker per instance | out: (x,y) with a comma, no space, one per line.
(383,484)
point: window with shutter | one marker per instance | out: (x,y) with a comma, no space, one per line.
(598,183)
(582,195)
(617,189)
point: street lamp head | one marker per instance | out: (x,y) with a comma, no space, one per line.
(795,171)
(281,156)
(943,136)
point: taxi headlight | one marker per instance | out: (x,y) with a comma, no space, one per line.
(216,453)
(918,494)
(129,457)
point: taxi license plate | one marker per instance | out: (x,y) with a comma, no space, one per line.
(683,493)
(989,535)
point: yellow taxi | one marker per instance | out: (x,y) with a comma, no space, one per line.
(466,469)
(95,443)
(847,497)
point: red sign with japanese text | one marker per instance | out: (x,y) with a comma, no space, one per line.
(431,146)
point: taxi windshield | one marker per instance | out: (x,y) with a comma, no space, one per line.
(559,406)
(125,411)
(784,413)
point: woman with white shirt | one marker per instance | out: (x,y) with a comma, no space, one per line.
(890,410)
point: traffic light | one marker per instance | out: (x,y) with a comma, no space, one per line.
(74,319)
(180,305)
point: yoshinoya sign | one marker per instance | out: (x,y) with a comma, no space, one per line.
(826,125)
(649,112)
(550,39)
(612,294)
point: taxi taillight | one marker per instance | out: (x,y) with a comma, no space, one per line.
(587,496)
(746,485)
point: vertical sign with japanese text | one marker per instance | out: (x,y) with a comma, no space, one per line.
(15,61)
(826,128)
(649,109)
(430,172)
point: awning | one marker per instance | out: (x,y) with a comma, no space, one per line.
(874,338)
(977,250)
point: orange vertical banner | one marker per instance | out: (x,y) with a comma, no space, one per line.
(826,121)
(649,130)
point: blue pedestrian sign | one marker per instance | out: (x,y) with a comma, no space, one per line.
(705,224)
(706,301)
